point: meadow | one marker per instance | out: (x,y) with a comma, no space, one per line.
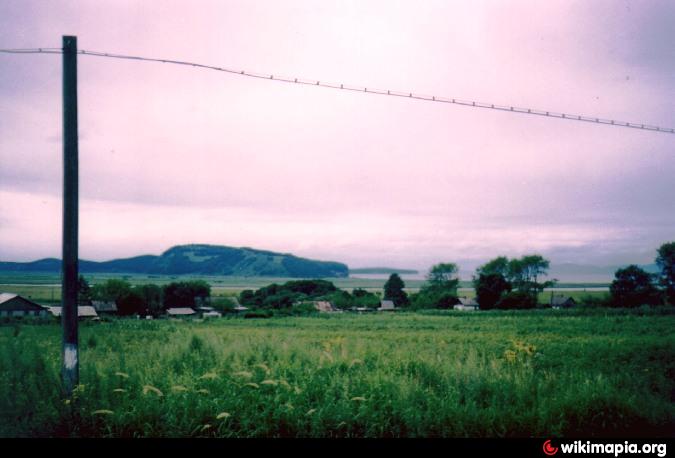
(538,373)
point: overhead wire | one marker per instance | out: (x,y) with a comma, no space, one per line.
(364,89)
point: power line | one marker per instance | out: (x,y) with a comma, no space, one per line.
(406,94)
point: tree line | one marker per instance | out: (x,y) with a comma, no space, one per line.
(146,299)
(501,283)
(504,283)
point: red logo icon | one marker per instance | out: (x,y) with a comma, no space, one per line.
(549,449)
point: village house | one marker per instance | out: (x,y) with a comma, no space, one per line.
(560,301)
(13,305)
(105,307)
(466,304)
(208,312)
(324,306)
(180,312)
(387,306)
(84,312)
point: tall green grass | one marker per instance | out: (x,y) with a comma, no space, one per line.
(493,374)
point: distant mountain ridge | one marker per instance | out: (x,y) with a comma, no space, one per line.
(200,259)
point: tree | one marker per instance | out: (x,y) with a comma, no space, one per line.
(111,290)
(443,276)
(632,287)
(363,298)
(441,287)
(83,291)
(186,293)
(152,298)
(666,262)
(517,300)
(393,290)
(498,266)
(490,289)
(524,274)
(130,303)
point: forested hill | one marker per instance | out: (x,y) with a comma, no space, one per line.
(200,259)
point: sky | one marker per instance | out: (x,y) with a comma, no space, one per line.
(172,155)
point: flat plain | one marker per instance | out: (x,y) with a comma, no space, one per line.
(553,373)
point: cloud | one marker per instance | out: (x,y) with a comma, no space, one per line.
(176,155)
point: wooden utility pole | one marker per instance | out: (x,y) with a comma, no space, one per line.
(70,369)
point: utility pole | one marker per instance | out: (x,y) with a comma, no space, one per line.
(71,365)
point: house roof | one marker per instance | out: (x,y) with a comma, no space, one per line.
(468,301)
(11,301)
(84,311)
(180,311)
(105,306)
(387,305)
(204,309)
(4,297)
(561,299)
(323,306)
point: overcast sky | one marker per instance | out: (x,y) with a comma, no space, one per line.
(172,155)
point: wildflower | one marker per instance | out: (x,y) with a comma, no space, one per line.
(78,389)
(328,356)
(355,362)
(209,376)
(510,356)
(223,415)
(149,388)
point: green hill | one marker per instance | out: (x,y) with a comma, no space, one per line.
(200,259)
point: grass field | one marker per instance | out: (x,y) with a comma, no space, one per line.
(478,374)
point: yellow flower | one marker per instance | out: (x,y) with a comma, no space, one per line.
(510,356)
